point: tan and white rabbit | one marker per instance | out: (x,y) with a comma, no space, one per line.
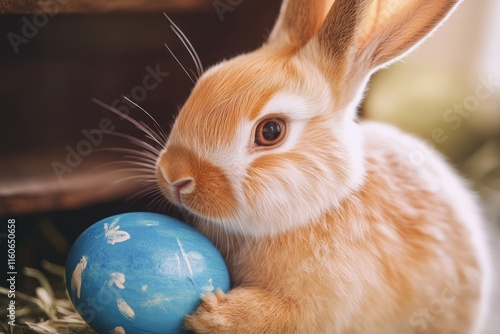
(326,223)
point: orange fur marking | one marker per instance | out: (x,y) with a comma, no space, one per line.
(237,93)
(213,196)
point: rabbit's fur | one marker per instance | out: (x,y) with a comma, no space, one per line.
(336,228)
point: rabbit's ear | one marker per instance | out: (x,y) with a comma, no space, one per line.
(371,33)
(298,22)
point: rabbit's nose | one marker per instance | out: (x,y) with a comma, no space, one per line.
(183,186)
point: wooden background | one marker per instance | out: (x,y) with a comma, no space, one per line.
(53,65)
(92,6)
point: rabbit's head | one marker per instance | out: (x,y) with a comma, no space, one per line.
(268,141)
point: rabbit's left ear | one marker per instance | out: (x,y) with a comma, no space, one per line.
(367,34)
(298,22)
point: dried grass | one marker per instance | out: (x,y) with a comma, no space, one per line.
(49,311)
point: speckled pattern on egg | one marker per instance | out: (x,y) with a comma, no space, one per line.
(141,273)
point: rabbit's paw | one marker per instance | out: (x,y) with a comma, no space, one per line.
(213,315)
(247,310)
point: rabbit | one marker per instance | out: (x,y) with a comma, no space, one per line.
(326,223)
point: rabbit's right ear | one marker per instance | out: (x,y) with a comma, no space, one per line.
(298,22)
(359,36)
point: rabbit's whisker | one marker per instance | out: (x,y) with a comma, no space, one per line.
(157,199)
(155,151)
(130,178)
(180,64)
(160,134)
(188,45)
(148,192)
(125,166)
(134,153)
(134,122)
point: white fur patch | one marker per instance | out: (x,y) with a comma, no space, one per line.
(238,157)
(293,194)
(296,107)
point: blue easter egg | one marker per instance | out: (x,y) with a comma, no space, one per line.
(141,273)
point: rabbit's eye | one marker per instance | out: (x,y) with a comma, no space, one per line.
(270,132)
